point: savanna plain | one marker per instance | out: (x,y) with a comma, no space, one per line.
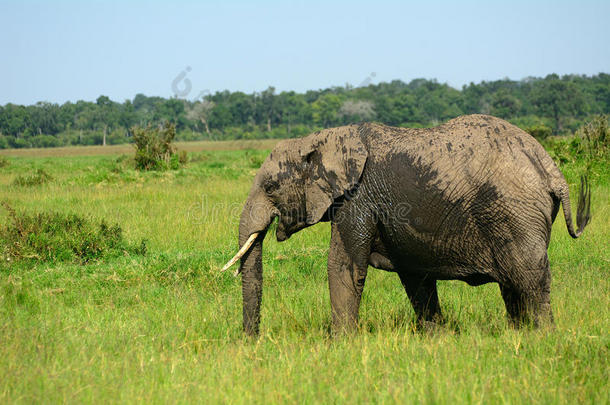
(155,321)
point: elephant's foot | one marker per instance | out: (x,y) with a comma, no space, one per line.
(430,327)
(527,308)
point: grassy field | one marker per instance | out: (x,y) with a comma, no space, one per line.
(128,148)
(166,326)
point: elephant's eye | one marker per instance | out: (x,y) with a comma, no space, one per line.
(269,186)
(308,158)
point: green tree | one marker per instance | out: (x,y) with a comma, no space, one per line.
(504,104)
(356,110)
(269,109)
(557,99)
(44,118)
(220,117)
(104,116)
(294,109)
(325,110)
(201,112)
(562,103)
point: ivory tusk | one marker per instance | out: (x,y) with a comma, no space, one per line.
(241,251)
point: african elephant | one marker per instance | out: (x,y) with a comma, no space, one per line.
(473,199)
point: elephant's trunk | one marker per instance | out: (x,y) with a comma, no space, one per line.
(255,218)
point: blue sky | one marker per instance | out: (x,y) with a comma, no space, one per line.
(67,50)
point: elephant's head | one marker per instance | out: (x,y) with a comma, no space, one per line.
(298,182)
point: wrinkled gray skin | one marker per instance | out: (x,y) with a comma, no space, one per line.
(473,200)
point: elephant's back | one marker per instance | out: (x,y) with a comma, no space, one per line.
(469,146)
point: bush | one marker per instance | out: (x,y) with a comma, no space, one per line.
(18,143)
(590,144)
(44,141)
(36,179)
(57,237)
(178,160)
(154,148)
(539,131)
(4,161)
(527,121)
(117,137)
(120,164)
(188,135)
(595,137)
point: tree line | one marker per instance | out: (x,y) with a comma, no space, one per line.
(553,104)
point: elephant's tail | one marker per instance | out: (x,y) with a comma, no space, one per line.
(583,213)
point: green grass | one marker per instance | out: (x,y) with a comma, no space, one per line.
(166,327)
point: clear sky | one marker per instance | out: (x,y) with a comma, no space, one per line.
(69,50)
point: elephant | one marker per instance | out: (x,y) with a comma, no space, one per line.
(473,199)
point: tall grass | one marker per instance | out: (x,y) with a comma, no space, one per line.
(166,327)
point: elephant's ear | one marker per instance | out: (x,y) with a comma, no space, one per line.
(334,160)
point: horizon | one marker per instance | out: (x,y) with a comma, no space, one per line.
(69,51)
(346,85)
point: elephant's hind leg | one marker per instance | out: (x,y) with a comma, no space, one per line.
(528,300)
(423,294)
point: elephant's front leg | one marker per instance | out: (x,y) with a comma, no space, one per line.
(346,276)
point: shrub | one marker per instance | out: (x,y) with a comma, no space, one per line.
(178,160)
(590,144)
(121,163)
(18,143)
(117,137)
(595,137)
(57,237)
(36,179)
(183,157)
(154,149)
(4,161)
(44,141)
(539,131)
(188,135)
